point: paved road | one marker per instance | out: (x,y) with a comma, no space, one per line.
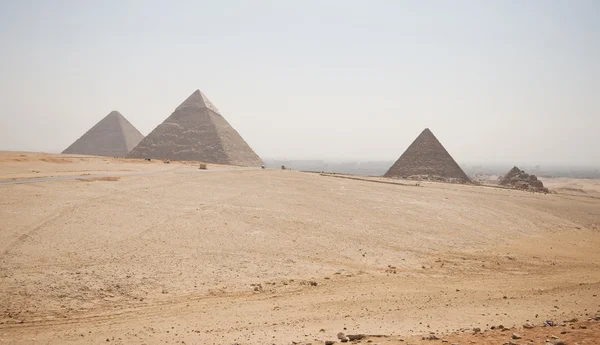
(82,177)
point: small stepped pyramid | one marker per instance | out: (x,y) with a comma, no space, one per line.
(519,179)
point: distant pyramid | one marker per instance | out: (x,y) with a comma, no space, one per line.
(427,158)
(113,136)
(519,179)
(196,131)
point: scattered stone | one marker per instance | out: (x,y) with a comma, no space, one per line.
(354,337)
(477,330)
(528,325)
(341,335)
(516,336)
(329,342)
(430,337)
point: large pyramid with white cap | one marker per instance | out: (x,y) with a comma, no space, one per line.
(113,136)
(426,158)
(197,131)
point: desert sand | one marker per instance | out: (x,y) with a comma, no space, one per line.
(167,253)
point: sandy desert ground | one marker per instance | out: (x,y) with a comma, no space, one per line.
(166,253)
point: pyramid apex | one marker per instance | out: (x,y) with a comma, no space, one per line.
(198,99)
(514,169)
(426,133)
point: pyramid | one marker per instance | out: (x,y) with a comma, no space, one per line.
(113,136)
(427,158)
(519,179)
(196,131)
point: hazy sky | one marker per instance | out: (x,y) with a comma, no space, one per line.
(496,81)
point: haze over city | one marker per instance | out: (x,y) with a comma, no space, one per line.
(507,81)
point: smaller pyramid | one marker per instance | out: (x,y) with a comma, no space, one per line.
(427,159)
(519,179)
(113,136)
(196,131)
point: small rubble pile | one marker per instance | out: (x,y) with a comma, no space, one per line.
(518,179)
